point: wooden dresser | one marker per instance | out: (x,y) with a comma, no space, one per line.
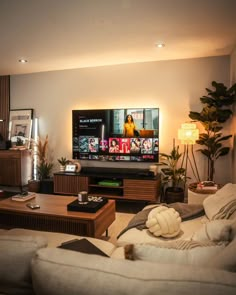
(15,167)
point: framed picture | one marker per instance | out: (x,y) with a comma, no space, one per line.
(71,168)
(20,127)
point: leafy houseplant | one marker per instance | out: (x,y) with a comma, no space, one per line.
(214,114)
(175,175)
(63,162)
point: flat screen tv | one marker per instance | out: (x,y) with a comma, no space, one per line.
(116,134)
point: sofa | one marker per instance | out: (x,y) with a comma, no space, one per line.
(198,261)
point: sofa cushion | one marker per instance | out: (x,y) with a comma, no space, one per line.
(76,273)
(135,235)
(56,239)
(226,259)
(217,231)
(176,252)
(222,204)
(16,253)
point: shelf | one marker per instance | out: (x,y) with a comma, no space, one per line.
(105,186)
(139,188)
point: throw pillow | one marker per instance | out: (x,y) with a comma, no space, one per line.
(164,221)
(175,252)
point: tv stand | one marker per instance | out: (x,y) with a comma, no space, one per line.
(116,183)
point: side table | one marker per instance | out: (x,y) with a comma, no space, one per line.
(196,197)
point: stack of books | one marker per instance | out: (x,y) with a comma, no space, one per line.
(207,186)
(23,197)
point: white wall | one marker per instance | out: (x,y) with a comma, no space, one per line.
(173,86)
(233,80)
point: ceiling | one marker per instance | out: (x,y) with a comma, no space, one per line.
(66,34)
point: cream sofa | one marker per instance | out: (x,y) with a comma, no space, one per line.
(30,263)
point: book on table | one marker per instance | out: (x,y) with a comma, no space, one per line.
(23,197)
(82,245)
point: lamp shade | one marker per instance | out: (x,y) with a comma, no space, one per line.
(188,133)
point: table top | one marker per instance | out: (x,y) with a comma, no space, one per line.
(52,205)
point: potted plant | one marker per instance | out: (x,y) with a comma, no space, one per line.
(214,114)
(44,166)
(63,162)
(174,176)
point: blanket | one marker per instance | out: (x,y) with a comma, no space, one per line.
(222,204)
(186,212)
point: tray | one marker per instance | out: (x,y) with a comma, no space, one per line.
(90,206)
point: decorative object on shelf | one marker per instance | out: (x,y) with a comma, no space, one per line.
(214,114)
(63,162)
(188,134)
(70,168)
(174,176)
(20,126)
(78,165)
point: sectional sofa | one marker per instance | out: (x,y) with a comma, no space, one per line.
(198,261)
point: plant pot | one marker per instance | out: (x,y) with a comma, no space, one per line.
(62,168)
(174,194)
(46,186)
(34,186)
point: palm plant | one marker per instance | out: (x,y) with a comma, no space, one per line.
(214,114)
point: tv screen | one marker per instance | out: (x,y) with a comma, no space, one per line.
(116,134)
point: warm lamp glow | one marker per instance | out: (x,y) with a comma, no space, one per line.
(188,134)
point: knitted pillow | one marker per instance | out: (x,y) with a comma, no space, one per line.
(164,221)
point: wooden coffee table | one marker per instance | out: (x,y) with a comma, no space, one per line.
(53,216)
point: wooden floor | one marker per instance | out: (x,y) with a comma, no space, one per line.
(121,221)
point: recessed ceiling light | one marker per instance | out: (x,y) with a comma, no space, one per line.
(23,60)
(160,45)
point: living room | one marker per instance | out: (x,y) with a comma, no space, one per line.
(174,86)
(116,73)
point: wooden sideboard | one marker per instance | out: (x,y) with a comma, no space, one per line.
(131,187)
(15,167)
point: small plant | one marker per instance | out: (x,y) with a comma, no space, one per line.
(63,161)
(44,170)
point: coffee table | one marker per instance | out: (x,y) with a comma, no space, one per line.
(53,216)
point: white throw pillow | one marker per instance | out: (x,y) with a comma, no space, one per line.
(176,252)
(164,221)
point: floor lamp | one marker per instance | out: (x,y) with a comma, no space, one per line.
(188,134)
